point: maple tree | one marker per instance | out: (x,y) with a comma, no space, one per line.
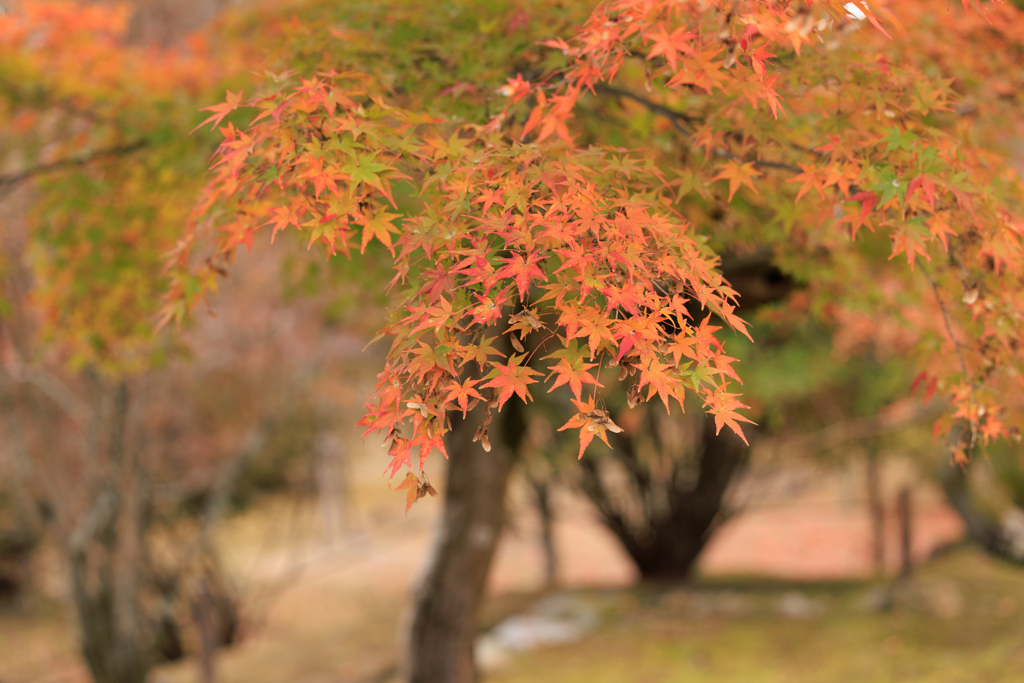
(516,221)
(837,137)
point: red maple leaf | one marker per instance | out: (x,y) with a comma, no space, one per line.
(523,270)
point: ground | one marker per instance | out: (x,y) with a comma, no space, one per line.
(327,610)
(969,630)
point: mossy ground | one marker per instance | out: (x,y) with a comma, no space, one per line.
(963,622)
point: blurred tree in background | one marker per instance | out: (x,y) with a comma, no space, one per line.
(124,446)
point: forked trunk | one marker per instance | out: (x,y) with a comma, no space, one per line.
(664,522)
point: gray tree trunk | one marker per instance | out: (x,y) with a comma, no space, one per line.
(447,603)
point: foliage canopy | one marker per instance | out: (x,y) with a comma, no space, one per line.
(836,144)
(556,185)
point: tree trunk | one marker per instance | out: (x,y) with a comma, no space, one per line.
(905,515)
(542,492)
(112,654)
(877,512)
(447,603)
(982,529)
(114,636)
(665,522)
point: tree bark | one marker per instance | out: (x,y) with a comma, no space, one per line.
(447,603)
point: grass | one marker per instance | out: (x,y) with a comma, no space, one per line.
(650,638)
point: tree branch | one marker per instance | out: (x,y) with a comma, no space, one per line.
(8,182)
(672,114)
(959,353)
(679,119)
(54,389)
(848,430)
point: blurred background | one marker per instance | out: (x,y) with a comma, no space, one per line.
(200,506)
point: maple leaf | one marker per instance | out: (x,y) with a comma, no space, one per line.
(573,374)
(591,422)
(489,198)
(670,45)
(412,485)
(810,179)
(992,428)
(479,352)
(415,489)
(401,454)
(379,225)
(770,95)
(595,326)
(738,175)
(283,217)
(221,110)
(868,201)
(658,381)
(523,270)
(927,186)
(758,58)
(911,239)
(366,170)
(586,435)
(723,406)
(516,88)
(511,379)
(428,438)
(940,230)
(627,296)
(462,393)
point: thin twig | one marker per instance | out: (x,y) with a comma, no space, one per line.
(959,353)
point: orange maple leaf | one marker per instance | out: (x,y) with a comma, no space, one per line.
(738,175)
(221,110)
(381,227)
(512,379)
(412,484)
(669,45)
(573,376)
(462,393)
